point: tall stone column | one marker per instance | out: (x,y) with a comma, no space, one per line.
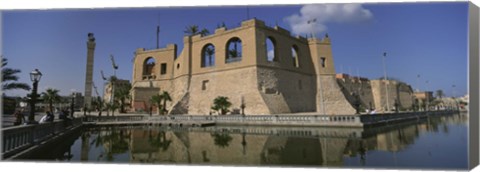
(89,71)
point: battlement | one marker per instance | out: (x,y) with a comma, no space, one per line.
(244,25)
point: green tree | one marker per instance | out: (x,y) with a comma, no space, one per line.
(204,32)
(122,93)
(157,100)
(221,105)
(194,29)
(98,104)
(233,53)
(51,96)
(439,94)
(191,30)
(9,78)
(165,96)
(160,140)
(111,107)
(210,51)
(221,139)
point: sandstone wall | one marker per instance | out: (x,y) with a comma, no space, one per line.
(329,94)
(233,84)
(362,88)
(396,92)
(286,92)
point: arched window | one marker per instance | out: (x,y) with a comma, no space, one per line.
(208,56)
(271,49)
(149,68)
(234,50)
(295,56)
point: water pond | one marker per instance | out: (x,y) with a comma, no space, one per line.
(433,143)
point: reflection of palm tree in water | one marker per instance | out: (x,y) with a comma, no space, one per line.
(116,141)
(159,141)
(362,152)
(222,139)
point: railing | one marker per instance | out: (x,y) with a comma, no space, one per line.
(18,138)
(386,118)
(113,118)
(313,120)
(281,119)
(284,119)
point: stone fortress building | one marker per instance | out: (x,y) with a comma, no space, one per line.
(264,68)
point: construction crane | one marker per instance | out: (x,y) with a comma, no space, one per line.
(115,66)
(103,76)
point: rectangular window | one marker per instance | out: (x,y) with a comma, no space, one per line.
(323,59)
(204,84)
(163,69)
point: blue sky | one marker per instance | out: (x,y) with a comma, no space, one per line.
(426,39)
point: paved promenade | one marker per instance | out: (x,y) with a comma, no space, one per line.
(9,119)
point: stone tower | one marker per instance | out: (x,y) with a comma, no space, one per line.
(89,71)
(330,99)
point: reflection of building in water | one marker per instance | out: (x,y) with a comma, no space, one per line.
(201,148)
(398,139)
(195,148)
(230,146)
(291,151)
(155,146)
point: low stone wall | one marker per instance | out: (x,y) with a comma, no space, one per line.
(19,140)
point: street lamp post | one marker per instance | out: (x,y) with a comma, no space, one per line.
(72,105)
(454,98)
(35,76)
(427,95)
(418,83)
(385,79)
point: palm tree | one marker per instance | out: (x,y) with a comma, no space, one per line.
(9,77)
(51,96)
(191,30)
(122,93)
(111,107)
(204,32)
(194,29)
(98,104)
(157,100)
(165,97)
(439,94)
(210,51)
(221,104)
(233,53)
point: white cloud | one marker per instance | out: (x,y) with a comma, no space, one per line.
(325,13)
